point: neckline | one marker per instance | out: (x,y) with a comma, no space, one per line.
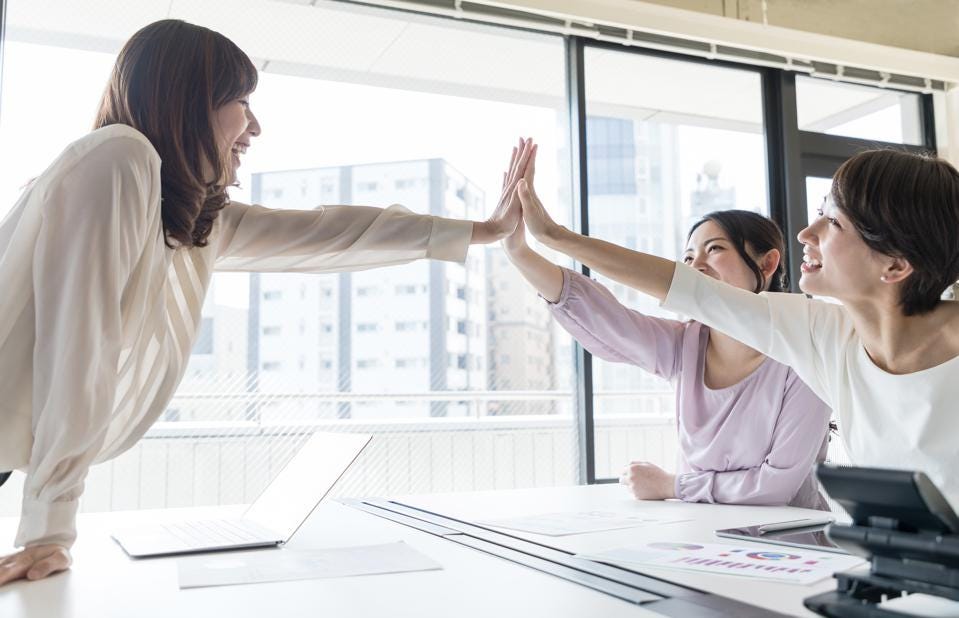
(866,359)
(704,334)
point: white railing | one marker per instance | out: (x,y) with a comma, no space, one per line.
(194,464)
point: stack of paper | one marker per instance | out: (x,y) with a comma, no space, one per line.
(289,564)
(789,565)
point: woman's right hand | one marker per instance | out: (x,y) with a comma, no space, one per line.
(517,240)
(35,562)
(537,220)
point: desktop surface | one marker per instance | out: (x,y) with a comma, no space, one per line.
(104,582)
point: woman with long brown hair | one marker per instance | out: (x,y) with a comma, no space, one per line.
(107,256)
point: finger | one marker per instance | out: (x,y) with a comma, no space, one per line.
(514,163)
(531,168)
(506,174)
(522,190)
(12,570)
(523,158)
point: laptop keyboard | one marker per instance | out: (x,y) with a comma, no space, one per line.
(213,533)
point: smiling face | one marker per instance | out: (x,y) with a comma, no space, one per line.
(711,252)
(836,261)
(234,126)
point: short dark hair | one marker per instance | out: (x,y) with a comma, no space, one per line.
(905,205)
(169,79)
(760,233)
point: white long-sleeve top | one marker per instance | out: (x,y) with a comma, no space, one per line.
(886,420)
(98,315)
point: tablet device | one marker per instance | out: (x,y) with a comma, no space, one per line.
(813,537)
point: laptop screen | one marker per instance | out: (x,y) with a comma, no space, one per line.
(287,501)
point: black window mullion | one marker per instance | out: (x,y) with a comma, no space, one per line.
(784,173)
(928,120)
(576,101)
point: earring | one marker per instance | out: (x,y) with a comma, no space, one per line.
(883,278)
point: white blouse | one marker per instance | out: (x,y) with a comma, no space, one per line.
(98,315)
(885,420)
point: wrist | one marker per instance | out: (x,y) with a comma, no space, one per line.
(515,250)
(669,487)
(555,237)
(481,233)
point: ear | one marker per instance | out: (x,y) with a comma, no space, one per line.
(769,262)
(898,269)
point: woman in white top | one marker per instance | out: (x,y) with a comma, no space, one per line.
(106,258)
(886,245)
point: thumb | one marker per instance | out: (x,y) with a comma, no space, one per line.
(522,189)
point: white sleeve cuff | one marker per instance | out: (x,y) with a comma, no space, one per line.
(449,239)
(44,523)
(681,290)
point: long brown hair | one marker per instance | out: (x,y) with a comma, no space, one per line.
(167,82)
(759,233)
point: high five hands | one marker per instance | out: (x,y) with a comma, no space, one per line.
(523,200)
(507,214)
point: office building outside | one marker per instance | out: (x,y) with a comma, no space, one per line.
(403,331)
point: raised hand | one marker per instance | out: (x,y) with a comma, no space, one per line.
(507,212)
(34,562)
(516,241)
(537,220)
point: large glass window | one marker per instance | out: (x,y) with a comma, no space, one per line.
(457,369)
(667,142)
(864,112)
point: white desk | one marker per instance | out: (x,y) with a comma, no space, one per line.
(104,583)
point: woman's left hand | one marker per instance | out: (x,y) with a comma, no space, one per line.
(508,211)
(648,481)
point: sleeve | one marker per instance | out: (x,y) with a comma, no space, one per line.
(93,228)
(334,238)
(611,331)
(799,434)
(807,335)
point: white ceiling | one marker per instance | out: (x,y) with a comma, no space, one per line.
(343,42)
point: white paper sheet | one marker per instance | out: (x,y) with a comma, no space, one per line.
(787,565)
(562,524)
(289,564)
(923,605)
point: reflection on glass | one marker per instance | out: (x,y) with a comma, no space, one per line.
(853,110)
(667,142)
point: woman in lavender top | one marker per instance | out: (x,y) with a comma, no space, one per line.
(749,428)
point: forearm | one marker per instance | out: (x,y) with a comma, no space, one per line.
(542,274)
(647,273)
(762,485)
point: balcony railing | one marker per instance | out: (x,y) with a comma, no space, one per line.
(194,463)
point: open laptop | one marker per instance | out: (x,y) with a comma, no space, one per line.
(272,519)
